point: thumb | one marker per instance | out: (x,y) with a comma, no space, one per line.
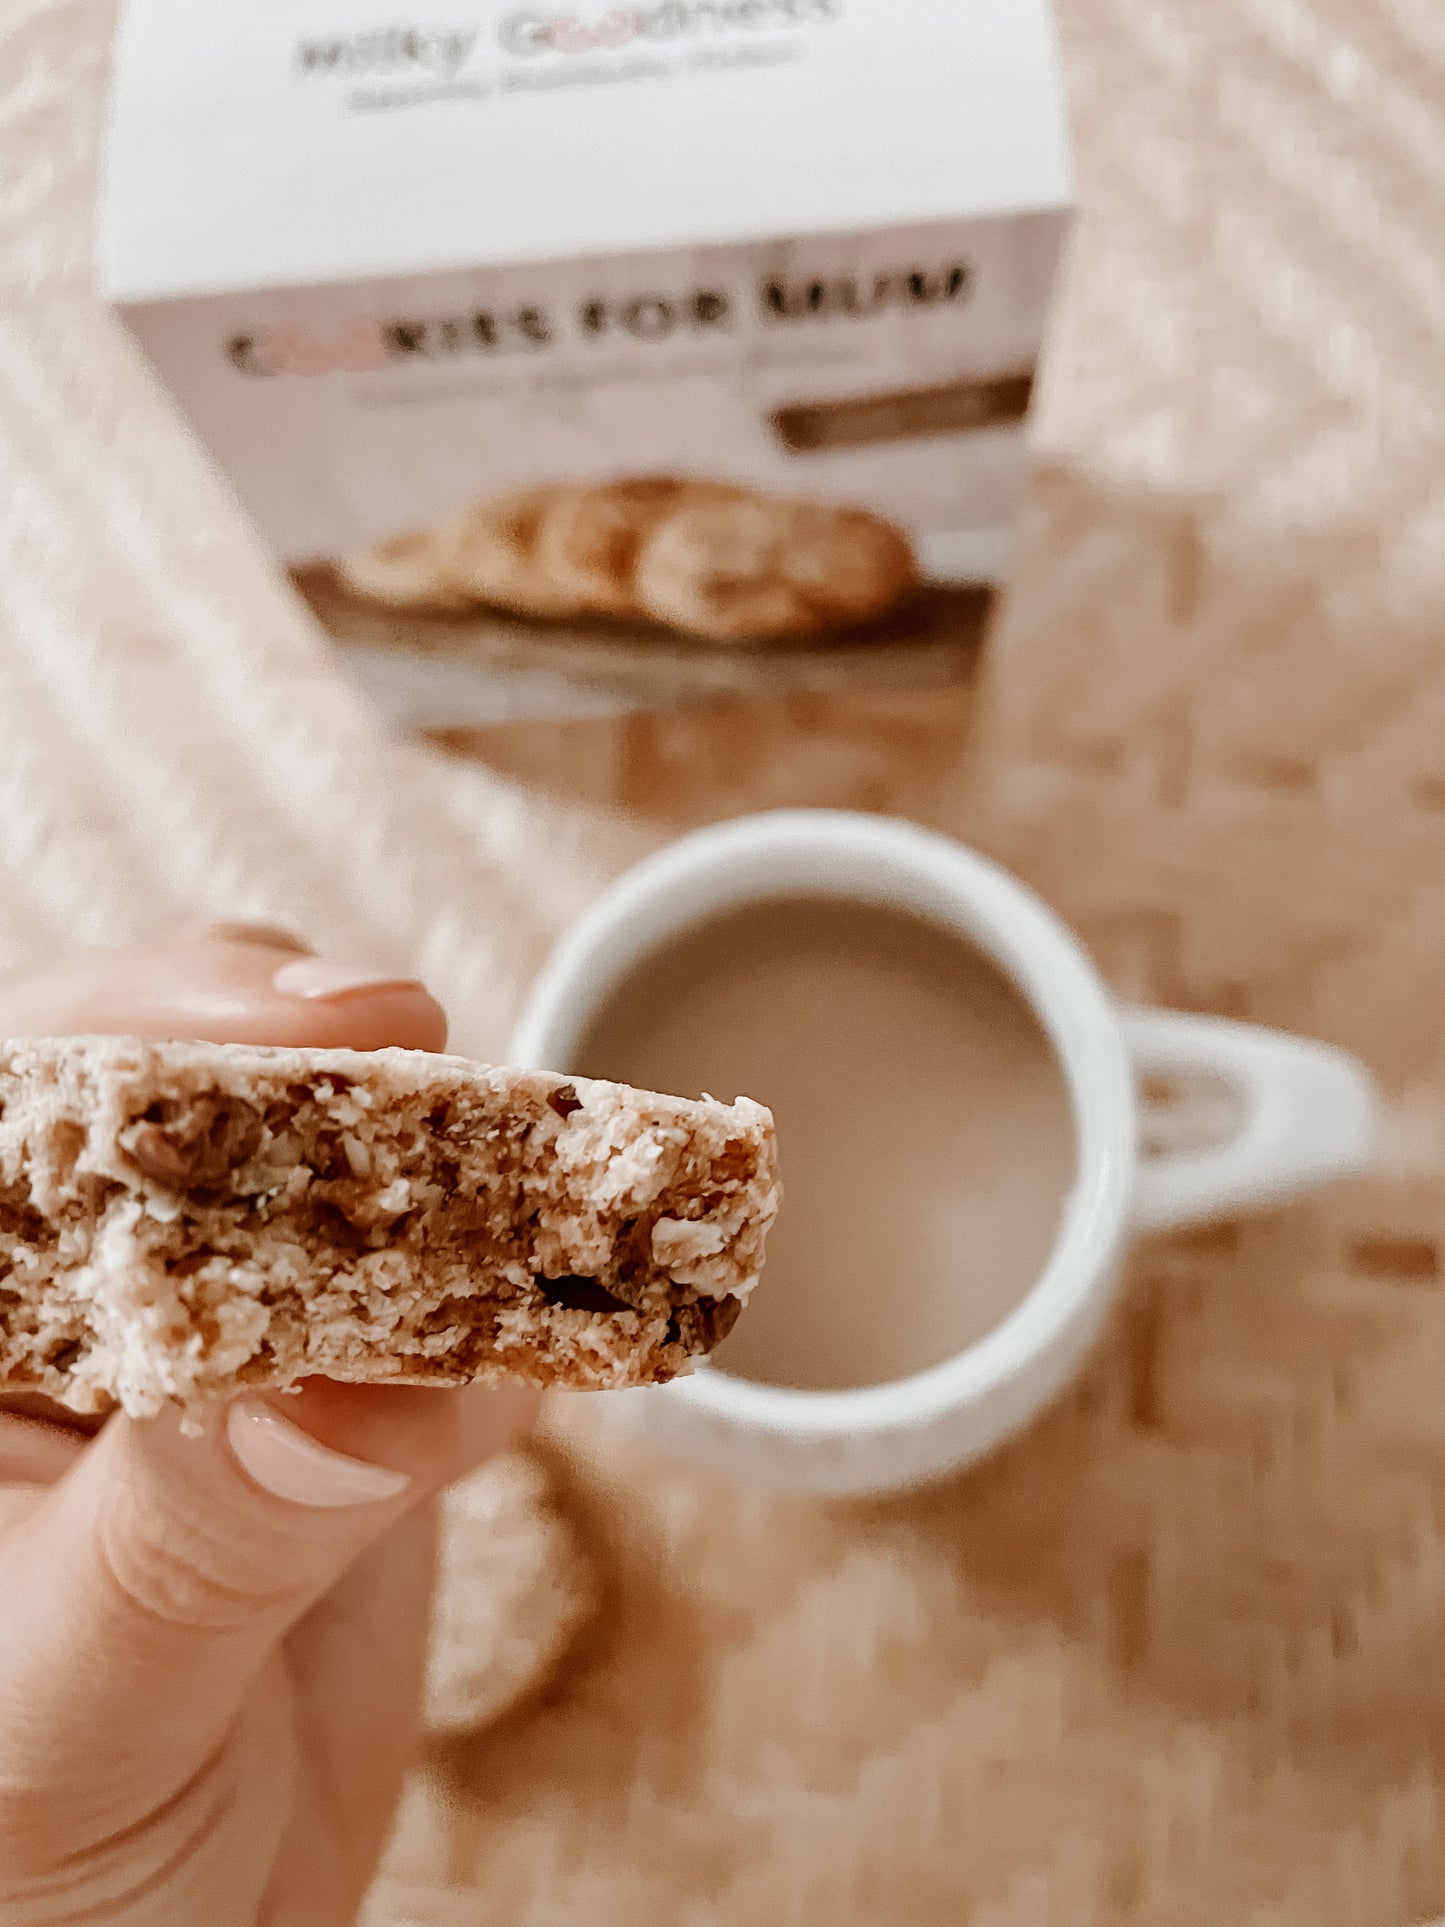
(144,1591)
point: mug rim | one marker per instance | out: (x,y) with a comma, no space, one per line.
(896,864)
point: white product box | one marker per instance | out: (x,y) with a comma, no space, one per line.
(584,355)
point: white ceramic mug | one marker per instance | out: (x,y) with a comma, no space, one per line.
(1306,1115)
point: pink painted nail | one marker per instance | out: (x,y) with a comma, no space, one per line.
(287,1462)
(321,981)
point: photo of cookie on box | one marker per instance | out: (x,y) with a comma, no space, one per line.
(705,560)
(557,397)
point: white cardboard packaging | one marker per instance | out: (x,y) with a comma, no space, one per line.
(398,266)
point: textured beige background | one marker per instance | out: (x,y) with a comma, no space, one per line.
(1178,1658)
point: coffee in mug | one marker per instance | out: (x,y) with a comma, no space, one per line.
(924,1125)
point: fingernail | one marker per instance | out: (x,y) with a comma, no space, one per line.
(266,936)
(283,1460)
(325,982)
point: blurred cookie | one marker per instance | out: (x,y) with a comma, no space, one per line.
(408,572)
(753,568)
(492,553)
(514,1588)
(706,559)
(486,553)
(589,538)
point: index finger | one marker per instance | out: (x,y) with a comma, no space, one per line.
(224,989)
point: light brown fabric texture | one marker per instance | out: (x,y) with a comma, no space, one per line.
(1176,1659)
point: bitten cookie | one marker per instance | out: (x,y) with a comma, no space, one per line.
(513,1590)
(180,1219)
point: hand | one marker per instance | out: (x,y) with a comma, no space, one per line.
(211,1647)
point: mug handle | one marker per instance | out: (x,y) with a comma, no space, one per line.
(1308,1115)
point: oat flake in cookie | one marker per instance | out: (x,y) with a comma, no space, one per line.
(180,1219)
